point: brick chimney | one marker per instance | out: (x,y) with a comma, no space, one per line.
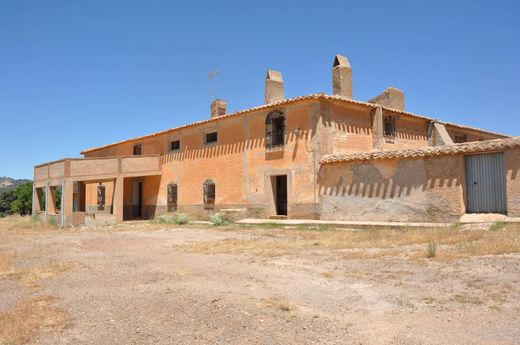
(342,77)
(218,108)
(390,98)
(274,88)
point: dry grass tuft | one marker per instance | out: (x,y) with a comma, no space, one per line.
(31,317)
(32,276)
(442,243)
(280,303)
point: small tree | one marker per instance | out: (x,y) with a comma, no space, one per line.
(23,202)
(6,199)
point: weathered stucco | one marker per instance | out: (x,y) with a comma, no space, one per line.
(393,190)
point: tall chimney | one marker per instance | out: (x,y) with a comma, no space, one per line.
(218,108)
(390,98)
(274,89)
(342,77)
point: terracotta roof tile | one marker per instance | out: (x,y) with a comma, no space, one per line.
(429,151)
(315,96)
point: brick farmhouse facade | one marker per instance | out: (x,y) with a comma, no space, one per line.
(315,157)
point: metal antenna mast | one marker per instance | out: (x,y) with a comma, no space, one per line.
(212,76)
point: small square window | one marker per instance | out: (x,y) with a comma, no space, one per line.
(138,150)
(460,138)
(211,137)
(175,145)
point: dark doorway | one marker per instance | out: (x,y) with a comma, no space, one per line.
(281,195)
(137,209)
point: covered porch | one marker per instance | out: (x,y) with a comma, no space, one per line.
(76,191)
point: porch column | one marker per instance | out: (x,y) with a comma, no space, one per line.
(47,201)
(118,199)
(35,200)
(50,204)
(67,194)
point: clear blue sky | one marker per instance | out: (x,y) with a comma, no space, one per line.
(79,74)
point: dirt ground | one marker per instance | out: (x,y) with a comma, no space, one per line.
(150,283)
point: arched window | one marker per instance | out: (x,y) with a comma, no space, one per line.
(209,195)
(172,197)
(275,129)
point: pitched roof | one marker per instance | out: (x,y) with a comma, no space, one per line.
(429,151)
(315,96)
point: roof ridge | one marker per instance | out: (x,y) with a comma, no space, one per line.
(427,151)
(277,104)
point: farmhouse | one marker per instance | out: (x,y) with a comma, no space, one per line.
(317,156)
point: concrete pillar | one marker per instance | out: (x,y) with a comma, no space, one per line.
(50,204)
(118,206)
(34,198)
(342,77)
(274,87)
(67,196)
(377,129)
(47,193)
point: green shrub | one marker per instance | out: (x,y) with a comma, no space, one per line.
(218,219)
(52,221)
(497,226)
(179,219)
(431,249)
(167,219)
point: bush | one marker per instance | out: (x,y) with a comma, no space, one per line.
(167,219)
(431,249)
(52,221)
(23,202)
(182,218)
(179,219)
(218,219)
(497,226)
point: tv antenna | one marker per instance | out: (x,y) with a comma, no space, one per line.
(211,76)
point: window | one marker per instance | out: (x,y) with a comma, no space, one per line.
(175,145)
(460,138)
(101,197)
(138,150)
(389,126)
(211,137)
(172,197)
(275,129)
(209,195)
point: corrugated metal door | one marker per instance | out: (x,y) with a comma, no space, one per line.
(486,183)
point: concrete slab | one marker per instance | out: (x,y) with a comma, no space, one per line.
(339,223)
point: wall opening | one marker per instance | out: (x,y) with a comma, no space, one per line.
(209,195)
(280,194)
(172,197)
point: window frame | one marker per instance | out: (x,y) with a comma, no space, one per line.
(140,146)
(172,200)
(101,197)
(171,149)
(392,130)
(206,137)
(275,129)
(209,194)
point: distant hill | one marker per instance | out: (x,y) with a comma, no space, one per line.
(8,183)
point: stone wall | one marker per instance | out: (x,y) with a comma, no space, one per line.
(512,158)
(429,190)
